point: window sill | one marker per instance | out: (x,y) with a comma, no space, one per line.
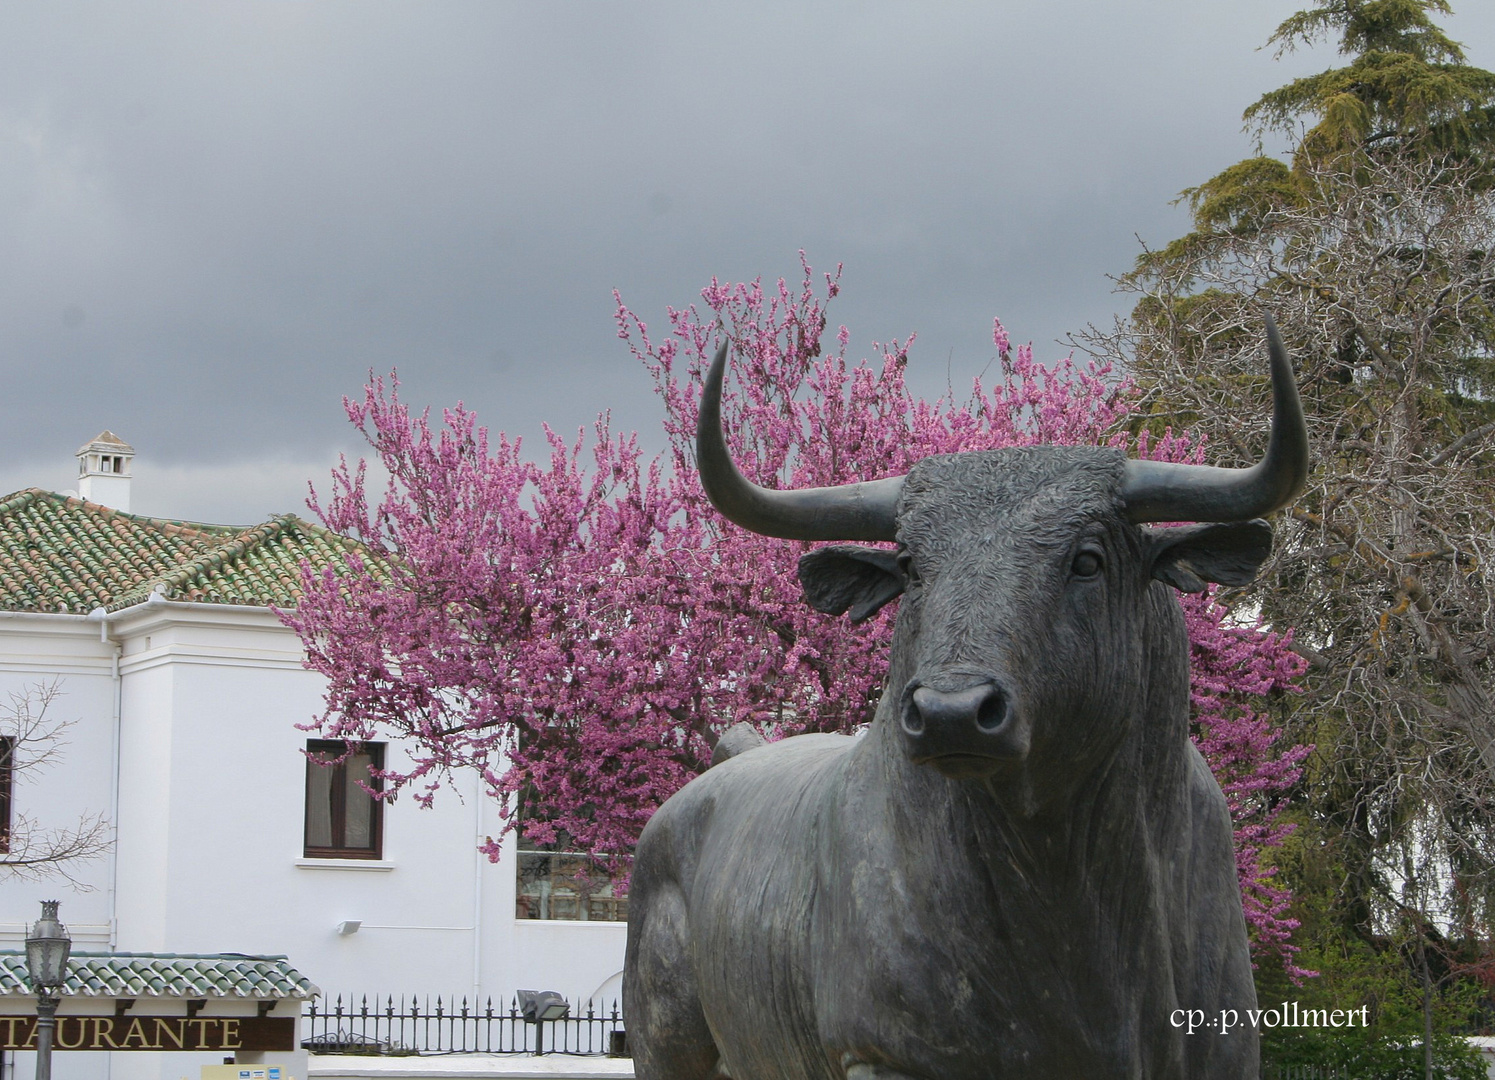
(376,865)
(623,923)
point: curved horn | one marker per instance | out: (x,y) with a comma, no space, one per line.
(1165,491)
(864,511)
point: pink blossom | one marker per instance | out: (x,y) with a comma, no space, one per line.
(999,337)
(580,629)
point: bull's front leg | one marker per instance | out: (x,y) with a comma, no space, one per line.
(672,1040)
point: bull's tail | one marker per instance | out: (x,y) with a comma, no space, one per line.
(737,739)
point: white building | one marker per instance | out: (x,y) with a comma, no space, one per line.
(185,690)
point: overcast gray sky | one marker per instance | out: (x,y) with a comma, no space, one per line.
(215,218)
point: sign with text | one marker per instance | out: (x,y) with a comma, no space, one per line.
(215,1033)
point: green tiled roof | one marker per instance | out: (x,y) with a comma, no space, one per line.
(62,554)
(183,975)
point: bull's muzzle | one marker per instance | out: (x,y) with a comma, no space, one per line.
(966,732)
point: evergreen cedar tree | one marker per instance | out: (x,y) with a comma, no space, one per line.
(1406,91)
(581,630)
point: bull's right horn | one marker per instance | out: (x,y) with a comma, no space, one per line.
(1168,491)
(863,511)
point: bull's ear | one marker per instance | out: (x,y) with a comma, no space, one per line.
(1191,556)
(846,576)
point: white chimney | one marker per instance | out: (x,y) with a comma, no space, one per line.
(104,470)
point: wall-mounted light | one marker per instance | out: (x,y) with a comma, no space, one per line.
(349,926)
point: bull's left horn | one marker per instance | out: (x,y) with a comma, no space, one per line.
(1166,491)
(864,511)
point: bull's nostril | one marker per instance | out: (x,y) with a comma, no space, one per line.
(912,719)
(992,713)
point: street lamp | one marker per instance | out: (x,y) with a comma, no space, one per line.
(47,949)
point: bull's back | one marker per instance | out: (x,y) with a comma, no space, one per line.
(723,889)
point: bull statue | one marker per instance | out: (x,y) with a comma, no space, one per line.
(1024,868)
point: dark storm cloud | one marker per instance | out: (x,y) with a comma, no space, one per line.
(214,219)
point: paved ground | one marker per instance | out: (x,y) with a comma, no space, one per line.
(470,1066)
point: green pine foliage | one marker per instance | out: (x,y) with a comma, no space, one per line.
(1407,86)
(1407,89)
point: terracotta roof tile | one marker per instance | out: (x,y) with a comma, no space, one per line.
(61,554)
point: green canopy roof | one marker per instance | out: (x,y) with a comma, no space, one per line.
(174,975)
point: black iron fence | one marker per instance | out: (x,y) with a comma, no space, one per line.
(1305,1072)
(418,1025)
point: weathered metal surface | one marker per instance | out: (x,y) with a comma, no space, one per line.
(1024,867)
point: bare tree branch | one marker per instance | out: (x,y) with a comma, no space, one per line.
(1462,441)
(1385,567)
(31,744)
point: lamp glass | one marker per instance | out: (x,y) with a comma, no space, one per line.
(47,949)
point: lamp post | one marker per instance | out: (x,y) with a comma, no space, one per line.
(47,949)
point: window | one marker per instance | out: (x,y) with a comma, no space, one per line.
(343,821)
(569,885)
(557,881)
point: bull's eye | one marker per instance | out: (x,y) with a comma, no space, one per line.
(1088,563)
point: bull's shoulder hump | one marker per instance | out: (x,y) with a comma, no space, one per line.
(794,757)
(808,746)
(788,768)
(1208,801)
(785,781)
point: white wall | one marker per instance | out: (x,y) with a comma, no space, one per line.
(210,815)
(227,779)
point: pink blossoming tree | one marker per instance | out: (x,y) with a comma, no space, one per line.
(580,630)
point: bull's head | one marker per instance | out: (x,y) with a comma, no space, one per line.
(1023,569)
